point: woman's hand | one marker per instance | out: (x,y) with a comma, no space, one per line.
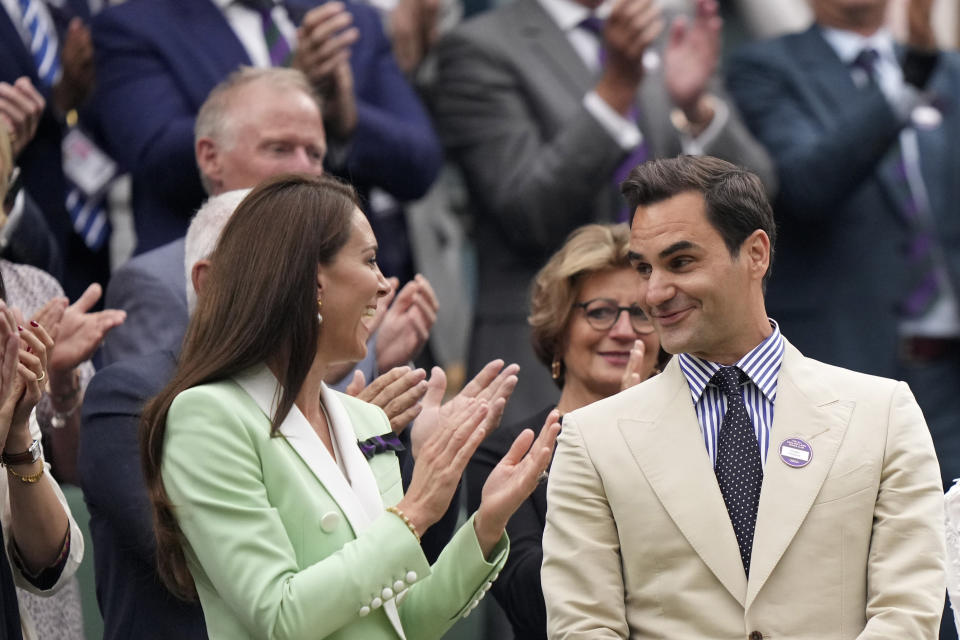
(513,480)
(10,384)
(443,457)
(634,374)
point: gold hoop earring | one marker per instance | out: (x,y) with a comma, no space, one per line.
(319,317)
(555,369)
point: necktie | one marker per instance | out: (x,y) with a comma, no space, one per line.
(923,286)
(378,444)
(739,471)
(277,45)
(638,154)
(44,51)
(9,608)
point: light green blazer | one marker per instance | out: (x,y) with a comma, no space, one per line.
(281,545)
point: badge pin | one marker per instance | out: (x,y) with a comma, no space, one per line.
(795,453)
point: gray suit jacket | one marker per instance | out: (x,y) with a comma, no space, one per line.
(152,289)
(509,106)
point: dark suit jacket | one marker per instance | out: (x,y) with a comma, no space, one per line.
(42,165)
(158,59)
(509,107)
(841,267)
(133,601)
(840,261)
(518,590)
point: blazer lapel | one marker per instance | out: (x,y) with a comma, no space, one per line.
(360,502)
(673,458)
(812,412)
(551,47)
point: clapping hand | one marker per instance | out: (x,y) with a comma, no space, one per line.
(691,57)
(513,480)
(493,386)
(406,323)
(21,107)
(398,392)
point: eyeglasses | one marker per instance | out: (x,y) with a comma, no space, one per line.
(602,314)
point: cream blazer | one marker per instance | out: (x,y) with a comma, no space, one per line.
(638,543)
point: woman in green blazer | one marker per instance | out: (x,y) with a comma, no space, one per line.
(265,507)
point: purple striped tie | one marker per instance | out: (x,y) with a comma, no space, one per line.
(923,288)
(277,45)
(638,154)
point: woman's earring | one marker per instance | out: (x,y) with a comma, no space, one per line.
(555,368)
(319,317)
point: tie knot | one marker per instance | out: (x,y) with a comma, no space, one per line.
(728,380)
(593,24)
(867,60)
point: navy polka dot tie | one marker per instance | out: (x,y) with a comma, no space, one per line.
(738,468)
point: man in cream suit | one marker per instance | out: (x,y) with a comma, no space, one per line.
(747,491)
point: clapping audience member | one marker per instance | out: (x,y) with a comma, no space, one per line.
(42,544)
(77,332)
(157,60)
(255,124)
(44,76)
(546,106)
(589,330)
(212,437)
(123,539)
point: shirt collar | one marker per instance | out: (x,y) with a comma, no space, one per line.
(567,14)
(761,364)
(848,44)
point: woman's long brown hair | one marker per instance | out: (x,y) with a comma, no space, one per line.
(258,305)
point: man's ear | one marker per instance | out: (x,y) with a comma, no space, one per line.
(208,161)
(198,274)
(756,248)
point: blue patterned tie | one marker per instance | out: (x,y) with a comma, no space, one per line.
(738,469)
(638,154)
(44,52)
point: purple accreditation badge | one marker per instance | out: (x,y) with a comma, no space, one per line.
(795,453)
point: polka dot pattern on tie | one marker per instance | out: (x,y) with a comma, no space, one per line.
(739,470)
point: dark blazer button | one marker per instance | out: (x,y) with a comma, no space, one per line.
(755,635)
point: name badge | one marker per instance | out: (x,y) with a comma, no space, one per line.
(85,164)
(795,453)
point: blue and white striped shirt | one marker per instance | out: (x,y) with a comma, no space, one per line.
(762,366)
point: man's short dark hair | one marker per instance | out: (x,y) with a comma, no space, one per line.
(737,204)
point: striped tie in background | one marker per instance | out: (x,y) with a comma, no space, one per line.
(277,45)
(41,45)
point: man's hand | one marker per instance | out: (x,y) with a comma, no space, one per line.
(76,62)
(398,392)
(413,30)
(406,324)
(633,25)
(492,386)
(920,34)
(21,107)
(690,60)
(324,39)
(76,333)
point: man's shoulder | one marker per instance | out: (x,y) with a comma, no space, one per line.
(495,29)
(772,50)
(840,379)
(123,387)
(162,266)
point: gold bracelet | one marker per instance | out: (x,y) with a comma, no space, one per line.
(402,516)
(28,479)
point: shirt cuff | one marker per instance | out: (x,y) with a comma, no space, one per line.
(696,146)
(623,130)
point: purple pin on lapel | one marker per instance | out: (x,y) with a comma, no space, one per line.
(795,453)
